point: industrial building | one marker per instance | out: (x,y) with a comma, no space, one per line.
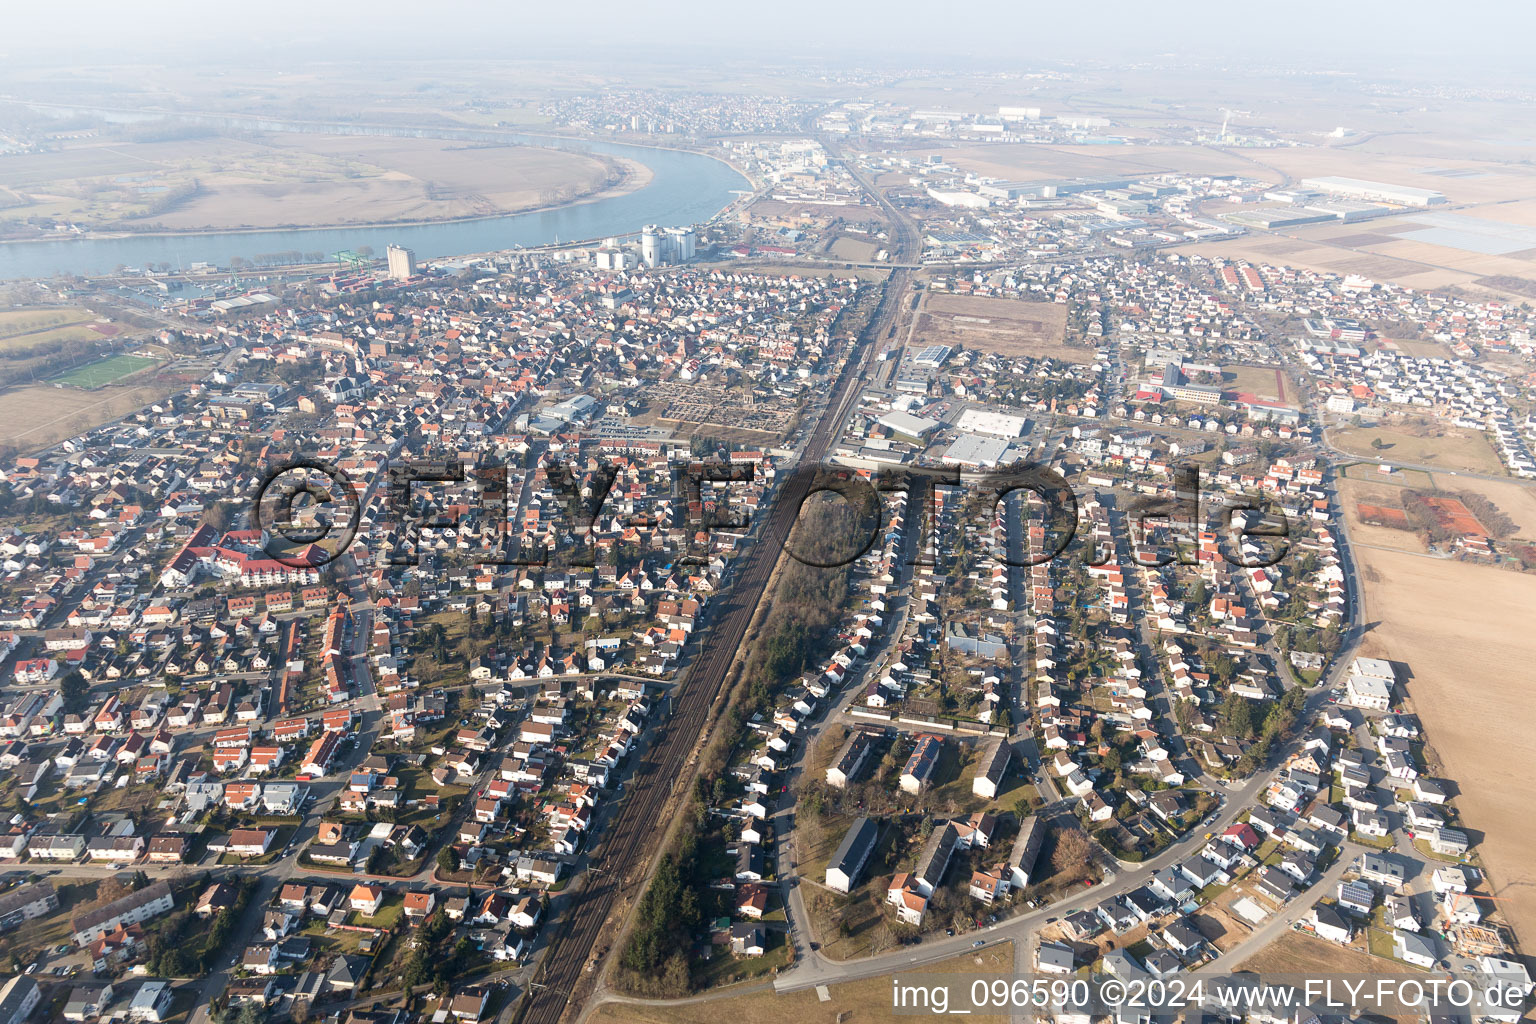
(955,197)
(904,423)
(976,452)
(1374,191)
(613,258)
(402,263)
(559,416)
(1276,217)
(983,421)
(666,246)
(932,356)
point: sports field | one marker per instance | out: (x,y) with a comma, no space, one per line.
(1266,382)
(1357,495)
(1516,500)
(104,372)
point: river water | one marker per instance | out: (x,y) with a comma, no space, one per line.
(685,188)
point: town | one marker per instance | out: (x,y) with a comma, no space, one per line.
(489,636)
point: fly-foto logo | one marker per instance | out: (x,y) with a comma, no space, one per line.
(311,511)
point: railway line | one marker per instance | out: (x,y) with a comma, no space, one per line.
(623,850)
(622,853)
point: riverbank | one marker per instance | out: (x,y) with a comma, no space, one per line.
(633,176)
(676,187)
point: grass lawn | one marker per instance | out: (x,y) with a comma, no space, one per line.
(952,778)
(103,372)
(387,917)
(1257,380)
(726,968)
(1380,942)
(32,937)
(1299,953)
(1452,449)
(1376,842)
(1424,850)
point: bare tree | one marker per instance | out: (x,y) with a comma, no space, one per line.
(881,939)
(1073,849)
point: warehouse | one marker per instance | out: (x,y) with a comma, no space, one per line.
(904,423)
(932,356)
(983,421)
(976,452)
(1377,191)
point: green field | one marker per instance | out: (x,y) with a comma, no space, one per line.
(104,372)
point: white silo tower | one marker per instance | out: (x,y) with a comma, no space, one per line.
(651,245)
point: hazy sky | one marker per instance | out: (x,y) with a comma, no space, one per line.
(1428,39)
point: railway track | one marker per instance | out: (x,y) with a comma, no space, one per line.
(623,849)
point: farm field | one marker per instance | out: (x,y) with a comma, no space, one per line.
(104,372)
(1461,638)
(1319,256)
(867,999)
(298,180)
(40,415)
(20,322)
(1006,326)
(1454,448)
(1398,248)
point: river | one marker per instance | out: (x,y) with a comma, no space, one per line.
(685,188)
